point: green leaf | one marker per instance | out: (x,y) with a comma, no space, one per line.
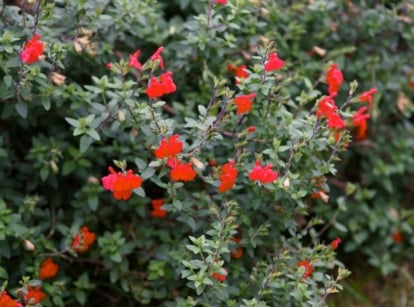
(3,274)
(21,108)
(8,80)
(84,143)
(73,122)
(93,134)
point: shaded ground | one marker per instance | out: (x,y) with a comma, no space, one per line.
(367,288)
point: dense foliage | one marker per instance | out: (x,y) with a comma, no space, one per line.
(184,153)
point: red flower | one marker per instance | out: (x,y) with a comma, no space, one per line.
(169,147)
(34,295)
(222,2)
(219,277)
(327,108)
(48,269)
(157,57)
(251,129)
(133,60)
(32,50)
(334,79)
(157,212)
(335,243)
(239,71)
(7,301)
(121,184)
(239,251)
(397,237)
(162,85)
(244,103)
(274,63)
(411,84)
(108,65)
(83,240)
(360,122)
(335,121)
(180,171)
(228,175)
(367,96)
(308,267)
(263,174)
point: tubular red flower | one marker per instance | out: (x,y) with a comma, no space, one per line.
(263,174)
(308,267)
(34,295)
(160,86)
(32,50)
(48,269)
(327,108)
(181,171)
(157,57)
(239,250)
(334,79)
(121,184)
(219,277)
(244,103)
(397,237)
(239,71)
(367,96)
(169,147)
(157,212)
(360,123)
(83,240)
(228,175)
(335,243)
(222,2)
(7,301)
(274,63)
(133,60)
(335,121)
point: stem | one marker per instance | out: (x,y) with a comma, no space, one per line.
(330,222)
(210,8)
(36,18)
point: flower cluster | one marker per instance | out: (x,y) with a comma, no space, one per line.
(263,174)
(244,103)
(157,211)
(160,86)
(169,147)
(83,240)
(308,267)
(48,269)
(32,50)
(274,63)
(228,175)
(121,183)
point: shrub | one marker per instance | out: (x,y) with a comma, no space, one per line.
(220,146)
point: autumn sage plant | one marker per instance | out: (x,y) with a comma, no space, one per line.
(169,155)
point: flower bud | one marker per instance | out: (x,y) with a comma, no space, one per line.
(29,245)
